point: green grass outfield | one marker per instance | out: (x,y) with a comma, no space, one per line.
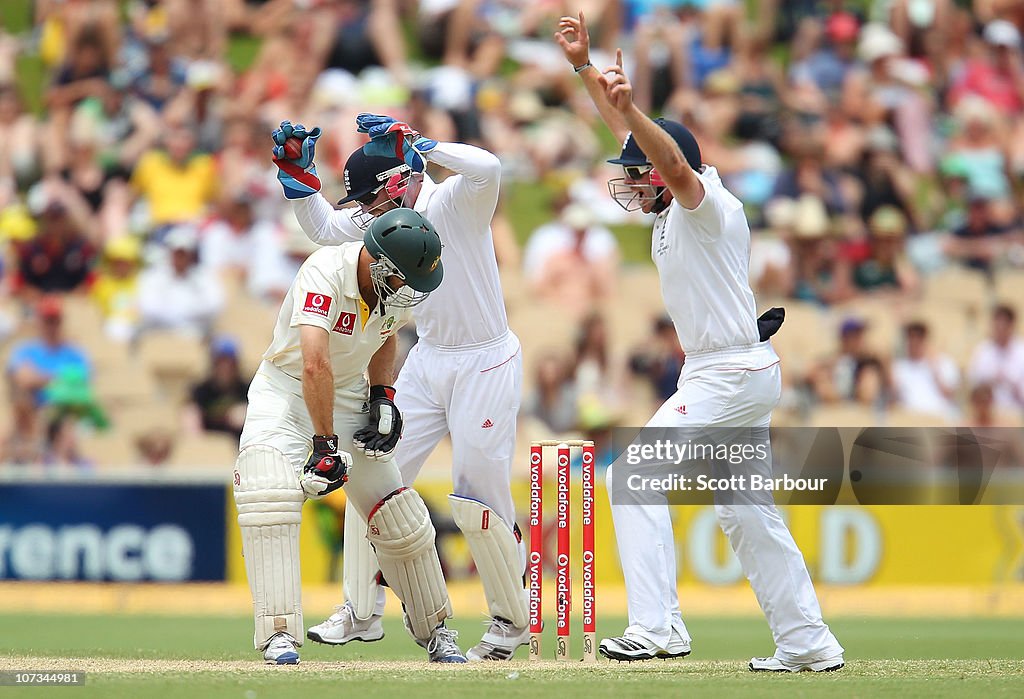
(163,656)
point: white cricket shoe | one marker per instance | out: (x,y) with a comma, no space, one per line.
(774,664)
(442,646)
(631,647)
(281,650)
(500,641)
(343,626)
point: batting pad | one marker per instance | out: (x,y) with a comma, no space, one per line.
(400,530)
(269,502)
(498,558)
(359,566)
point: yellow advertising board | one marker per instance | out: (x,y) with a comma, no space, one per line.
(875,545)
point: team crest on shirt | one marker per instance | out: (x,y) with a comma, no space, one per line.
(386,326)
(318,304)
(346,324)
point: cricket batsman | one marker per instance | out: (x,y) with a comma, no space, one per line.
(463,378)
(309,400)
(731,378)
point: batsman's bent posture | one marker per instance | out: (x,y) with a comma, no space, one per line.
(463,377)
(701,247)
(338,321)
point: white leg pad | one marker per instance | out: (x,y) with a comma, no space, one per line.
(498,558)
(359,566)
(269,503)
(400,530)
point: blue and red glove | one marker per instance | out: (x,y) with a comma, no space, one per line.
(394,139)
(298,177)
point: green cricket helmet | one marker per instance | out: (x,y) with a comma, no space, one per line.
(404,243)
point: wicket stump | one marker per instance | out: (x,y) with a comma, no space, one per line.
(563,577)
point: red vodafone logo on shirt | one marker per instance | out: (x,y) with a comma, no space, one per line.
(346,323)
(320,304)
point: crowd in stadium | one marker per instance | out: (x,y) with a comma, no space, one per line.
(878,147)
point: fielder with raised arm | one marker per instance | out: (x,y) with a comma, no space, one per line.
(308,400)
(701,247)
(462,378)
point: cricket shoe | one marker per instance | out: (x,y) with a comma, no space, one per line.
(442,647)
(631,647)
(343,626)
(774,664)
(281,650)
(500,641)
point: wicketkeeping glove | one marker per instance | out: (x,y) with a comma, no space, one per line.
(326,470)
(394,139)
(379,439)
(298,177)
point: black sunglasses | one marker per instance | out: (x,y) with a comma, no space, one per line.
(635,172)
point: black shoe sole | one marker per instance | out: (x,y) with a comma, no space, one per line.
(316,638)
(622,657)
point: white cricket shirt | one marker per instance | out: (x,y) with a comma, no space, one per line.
(703,258)
(325,294)
(468,307)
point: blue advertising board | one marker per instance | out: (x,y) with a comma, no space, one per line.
(125,532)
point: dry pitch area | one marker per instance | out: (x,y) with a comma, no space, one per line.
(118,677)
(199,657)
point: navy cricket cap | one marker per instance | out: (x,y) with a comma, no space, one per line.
(365,173)
(633,155)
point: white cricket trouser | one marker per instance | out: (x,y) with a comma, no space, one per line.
(471,392)
(731,388)
(277,417)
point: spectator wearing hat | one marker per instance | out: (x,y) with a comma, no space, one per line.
(218,401)
(163,76)
(999,361)
(996,76)
(925,380)
(37,361)
(116,289)
(980,142)
(60,257)
(851,373)
(824,65)
(819,274)
(572,260)
(887,88)
(886,267)
(178,294)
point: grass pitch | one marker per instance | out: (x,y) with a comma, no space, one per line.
(163,656)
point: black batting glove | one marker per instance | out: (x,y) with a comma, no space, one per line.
(326,470)
(379,439)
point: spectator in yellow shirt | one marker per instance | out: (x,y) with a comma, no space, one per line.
(176,182)
(115,290)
